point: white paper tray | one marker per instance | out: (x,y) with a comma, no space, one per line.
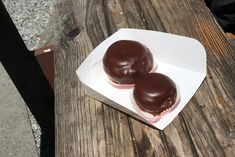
(181,58)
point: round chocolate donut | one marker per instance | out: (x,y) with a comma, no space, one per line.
(126,60)
(154,93)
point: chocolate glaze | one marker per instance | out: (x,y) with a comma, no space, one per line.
(126,60)
(154,93)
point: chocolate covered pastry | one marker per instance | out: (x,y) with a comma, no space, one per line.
(154,94)
(127,60)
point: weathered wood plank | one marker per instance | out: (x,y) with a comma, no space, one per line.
(86,127)
(210,130)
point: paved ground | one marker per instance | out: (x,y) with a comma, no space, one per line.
(16,137)
(31,18)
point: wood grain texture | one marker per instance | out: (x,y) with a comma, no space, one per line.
(210,136)
(93,128)
(86,127)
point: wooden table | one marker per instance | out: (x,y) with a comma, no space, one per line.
(86,127)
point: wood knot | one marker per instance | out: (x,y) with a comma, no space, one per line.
(232,134)
(202,106)
(73,33)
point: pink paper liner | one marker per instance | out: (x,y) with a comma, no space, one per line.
(120,86)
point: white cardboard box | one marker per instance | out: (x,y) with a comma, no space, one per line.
(181,58)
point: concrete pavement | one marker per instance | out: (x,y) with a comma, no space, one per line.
(31,18)
(16,137)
